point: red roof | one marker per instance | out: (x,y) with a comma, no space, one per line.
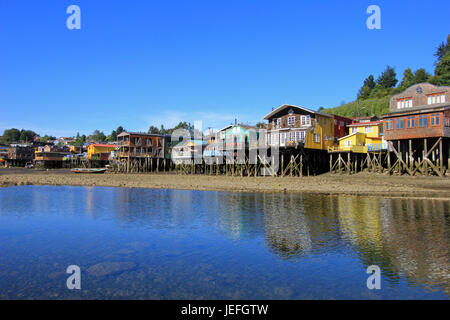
(103,145)
(358,124)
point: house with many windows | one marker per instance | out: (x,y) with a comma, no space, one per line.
(417,128)
(421,111)
(290,125)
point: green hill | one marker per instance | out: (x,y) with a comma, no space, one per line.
(375,106)
(374,95)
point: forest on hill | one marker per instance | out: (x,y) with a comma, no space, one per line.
(374,95)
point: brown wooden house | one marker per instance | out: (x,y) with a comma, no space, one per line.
(141,145)
(417,128)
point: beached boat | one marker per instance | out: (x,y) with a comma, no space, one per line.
(88,170)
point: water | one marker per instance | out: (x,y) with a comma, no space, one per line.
(175,244)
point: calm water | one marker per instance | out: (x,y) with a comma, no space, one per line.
(170,244)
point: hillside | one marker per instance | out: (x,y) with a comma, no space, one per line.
(374,95)
(375,106)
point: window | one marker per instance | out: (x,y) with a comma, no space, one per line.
(389,124)
(347,143)
(404,103)
(434,119)
(436,98)
(274,139)
(324,121)
(368,129)
(423,121)
(411,122)
(306,120)
(291,120)
(400,124)
(283,138)
(279,122)
(341,123)
(316,138)
(354,130)
(335,122)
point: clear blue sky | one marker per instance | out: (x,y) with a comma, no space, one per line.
(142,63)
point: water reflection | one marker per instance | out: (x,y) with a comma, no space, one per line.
(409,239)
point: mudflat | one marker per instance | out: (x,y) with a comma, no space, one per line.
(366,184)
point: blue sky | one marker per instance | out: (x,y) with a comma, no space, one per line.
(142,63)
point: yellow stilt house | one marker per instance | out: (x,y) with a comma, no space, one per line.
(363,137)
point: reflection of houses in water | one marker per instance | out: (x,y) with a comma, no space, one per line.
(359,219)
(286,225)
(402,236)
(417,240)
(240,215)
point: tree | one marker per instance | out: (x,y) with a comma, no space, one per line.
(388,78)
(119,130)
(368,85)
(261,125)
(79,140)
(10,136)
(97,136)
(408,78)
(47,138)
(153,130)
(442,72)
(27,135)
(421,75)
(112,136)
(442,50)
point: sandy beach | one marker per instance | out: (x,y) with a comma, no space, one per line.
(366,184)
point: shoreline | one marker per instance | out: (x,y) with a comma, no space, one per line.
(360,184)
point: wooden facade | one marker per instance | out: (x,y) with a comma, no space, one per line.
(142,152)
(290,125)
(417,129)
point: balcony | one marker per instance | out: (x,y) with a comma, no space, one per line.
(296,124)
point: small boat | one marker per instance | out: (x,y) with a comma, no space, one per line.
(88,170)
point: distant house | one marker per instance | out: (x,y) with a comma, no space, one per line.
(98,151)
(143,145)
(240,136)
(187,151)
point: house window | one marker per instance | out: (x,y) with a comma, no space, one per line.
(354,130)
(341,123)
(279,122)
(404,103)
(434,119)
(400,124)
(423,121)
(324,121)
(368,129)
(306,120)
(436,98)
(283,138)
(291,120)
(316,138)
(389,124)
(347,143)
(274,140)
(411,122)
